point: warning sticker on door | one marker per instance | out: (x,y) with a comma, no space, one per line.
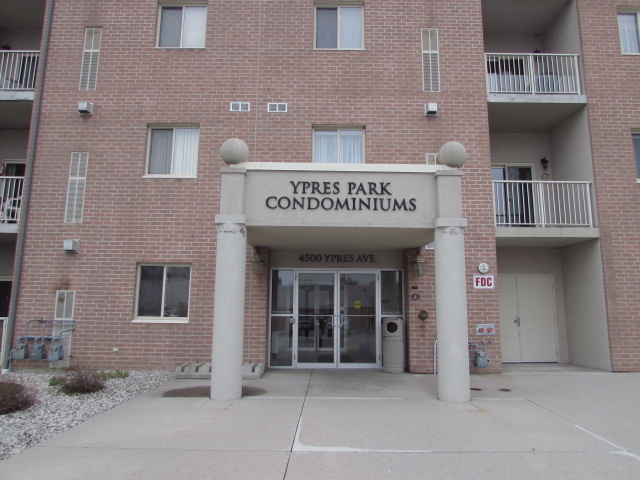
(357,304)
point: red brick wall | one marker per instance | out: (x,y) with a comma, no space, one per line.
(259,52)
(613,91)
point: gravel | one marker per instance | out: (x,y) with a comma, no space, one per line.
(55,412)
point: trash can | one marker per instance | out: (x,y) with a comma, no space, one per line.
(392,345)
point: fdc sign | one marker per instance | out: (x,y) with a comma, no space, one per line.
(483,282)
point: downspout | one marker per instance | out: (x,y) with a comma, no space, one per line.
(26,195)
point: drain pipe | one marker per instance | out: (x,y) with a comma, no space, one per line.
(26,195)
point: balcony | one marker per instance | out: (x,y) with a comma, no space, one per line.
(554,213)
(10,199)
(18,70)
(532,74)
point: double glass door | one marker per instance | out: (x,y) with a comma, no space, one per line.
(335,319)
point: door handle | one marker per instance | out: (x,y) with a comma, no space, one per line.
(517,320)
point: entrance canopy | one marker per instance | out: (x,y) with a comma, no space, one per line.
(328,205)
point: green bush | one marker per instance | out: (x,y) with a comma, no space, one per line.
(82,381)
(55,381)
(15,397)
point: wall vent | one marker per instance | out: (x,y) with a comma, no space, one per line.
(240,106)
(432,159)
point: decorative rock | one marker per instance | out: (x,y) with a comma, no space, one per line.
(452,154)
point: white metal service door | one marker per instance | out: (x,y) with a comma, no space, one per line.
(527,318)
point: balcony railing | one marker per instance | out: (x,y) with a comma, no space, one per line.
(10,199)
(18,69)
(532,73)
(542,204)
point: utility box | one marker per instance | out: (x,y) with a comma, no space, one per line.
(38,352)
(20,352)
(393,345)
(481,359)
(56,353)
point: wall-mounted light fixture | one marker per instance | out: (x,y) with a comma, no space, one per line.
(544,162)
(257,263)
(423,315)
(418,262)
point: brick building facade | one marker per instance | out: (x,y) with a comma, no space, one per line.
(541,94)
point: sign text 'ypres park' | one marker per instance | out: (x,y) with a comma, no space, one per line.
(356,196)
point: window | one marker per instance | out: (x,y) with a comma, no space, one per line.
(75,187)
(182,27)
(636,152)
(430,60)
(339,146)
(163,291)
(90,57)
(628,26)
(339,27)
(173,151)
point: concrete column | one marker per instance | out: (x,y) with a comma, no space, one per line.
(451,290)
(231,259)
(228,317)
(451,313)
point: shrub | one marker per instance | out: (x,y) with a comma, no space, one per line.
(15,397)
(82,381)
(55,380)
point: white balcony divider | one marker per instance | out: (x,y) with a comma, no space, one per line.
(532,73)
(18,69)
(542,204)
(10,199)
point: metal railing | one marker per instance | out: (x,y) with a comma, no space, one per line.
(542,204)
(10,199)
(532,73)
(18,69)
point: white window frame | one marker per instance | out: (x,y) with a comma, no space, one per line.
(635,13)
(338,7)
(338,130)
(171,174)
(161,319)
(90,58)
(183,7)
(430,51)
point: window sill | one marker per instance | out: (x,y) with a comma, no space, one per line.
(170,320)
(339,49)
(180,48)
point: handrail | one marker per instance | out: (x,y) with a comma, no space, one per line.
(539,73)
(542,203)
(18,69)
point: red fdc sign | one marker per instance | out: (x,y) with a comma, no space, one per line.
(483,282)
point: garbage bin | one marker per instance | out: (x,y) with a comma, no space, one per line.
(392,345)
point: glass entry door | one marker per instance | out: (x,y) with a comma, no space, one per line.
(336,319)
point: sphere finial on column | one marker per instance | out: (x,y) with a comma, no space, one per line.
(234,151)
(452,154)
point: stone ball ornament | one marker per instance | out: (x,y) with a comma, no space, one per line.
(452,154)
(234,151)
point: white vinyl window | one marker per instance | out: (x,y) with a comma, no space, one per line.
(163,292)
(628,24)
(65,300)
(636,152)
(339,27)
(76,187)
(90,58)
(338,146)
(430,60)
(173,151)
(182,26)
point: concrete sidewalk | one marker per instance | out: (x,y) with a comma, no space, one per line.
(540,423)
